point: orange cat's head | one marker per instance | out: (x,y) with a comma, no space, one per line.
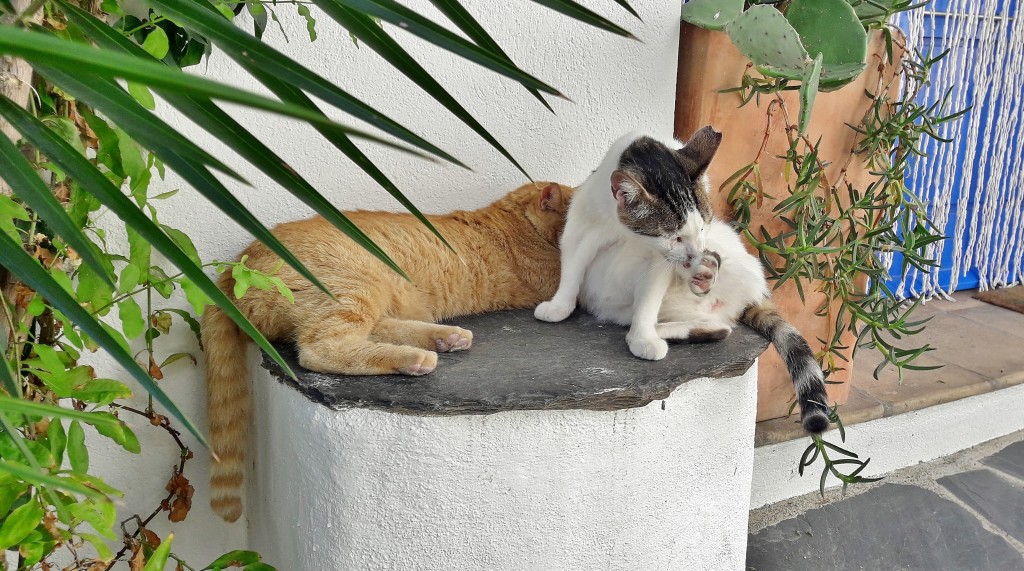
(544,204)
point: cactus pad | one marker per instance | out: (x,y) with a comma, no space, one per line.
(832,28)
(764,35)
(837,75)
(711,14)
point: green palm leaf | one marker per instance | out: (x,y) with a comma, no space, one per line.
(230,132)
(629,8)
(77,167)
(211,117)
(461,17)
(410,21)
(366,30)
(10,385)
(346,146)
(198,15)
(44,481)
(22,406)
(586,15)
(41,49)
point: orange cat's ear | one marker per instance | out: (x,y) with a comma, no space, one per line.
(551,198)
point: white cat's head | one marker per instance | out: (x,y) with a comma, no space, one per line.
(662,192)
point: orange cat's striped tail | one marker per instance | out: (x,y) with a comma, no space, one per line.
(227,409)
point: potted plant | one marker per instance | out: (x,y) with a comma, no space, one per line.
(817,100)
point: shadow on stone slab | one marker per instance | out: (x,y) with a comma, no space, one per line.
(997,499)
(889,527)
(520,363)
(1009,460)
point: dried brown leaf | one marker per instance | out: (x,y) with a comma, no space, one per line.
(154,369)
(151,539)
(138,560)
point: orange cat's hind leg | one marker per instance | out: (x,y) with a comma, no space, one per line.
(431,336)
(340,344)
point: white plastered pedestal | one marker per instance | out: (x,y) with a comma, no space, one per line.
(662,486)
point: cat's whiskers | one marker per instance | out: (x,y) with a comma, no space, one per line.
(657,266)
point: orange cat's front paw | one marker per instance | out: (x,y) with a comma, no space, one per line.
(418,364)
(459,340)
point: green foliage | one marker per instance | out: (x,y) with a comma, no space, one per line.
(247,560)
(91,133)
(821,447)
(836,233)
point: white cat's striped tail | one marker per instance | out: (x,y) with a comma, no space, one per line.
(227,409)
(808,379)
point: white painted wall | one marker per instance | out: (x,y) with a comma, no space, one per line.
(894,442)
(616,85)
(549,490)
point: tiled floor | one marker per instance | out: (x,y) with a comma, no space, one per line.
(955,513)
(980,347)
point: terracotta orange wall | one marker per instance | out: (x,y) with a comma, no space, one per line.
(709,63)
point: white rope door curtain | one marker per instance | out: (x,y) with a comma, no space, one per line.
(984,70)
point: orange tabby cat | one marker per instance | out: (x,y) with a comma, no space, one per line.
(507,257)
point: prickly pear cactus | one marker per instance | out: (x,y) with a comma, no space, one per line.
(820,43)
(763,35)
(831,28)
(873,12)
(711,14)
(834,76)
(809,89)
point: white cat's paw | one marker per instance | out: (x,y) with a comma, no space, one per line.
(650,348)
(552,312)
(706,274)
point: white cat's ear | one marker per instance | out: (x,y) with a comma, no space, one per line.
(623,187)
(697,153)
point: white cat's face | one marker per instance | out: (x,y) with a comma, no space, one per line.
(685,244)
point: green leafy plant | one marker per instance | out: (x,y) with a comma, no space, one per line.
(836,233)
(83,151)
(821,447)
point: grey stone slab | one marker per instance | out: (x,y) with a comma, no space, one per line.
(998,499)
(518,362)
(1009,460)
(889,527)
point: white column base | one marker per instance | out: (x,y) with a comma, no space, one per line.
(664,486)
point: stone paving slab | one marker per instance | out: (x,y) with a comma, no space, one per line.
(892,526)
(998,499)
(1009,460)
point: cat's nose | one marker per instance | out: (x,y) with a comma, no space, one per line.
(693,253)
(685,257)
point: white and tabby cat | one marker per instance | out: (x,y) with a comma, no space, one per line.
(642,248)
